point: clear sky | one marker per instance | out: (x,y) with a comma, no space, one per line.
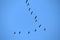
(15,17)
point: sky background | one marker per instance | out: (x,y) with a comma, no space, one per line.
(15,17)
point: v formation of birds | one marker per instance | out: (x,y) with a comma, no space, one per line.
(35,19)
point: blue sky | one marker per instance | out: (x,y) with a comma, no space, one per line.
(15,17)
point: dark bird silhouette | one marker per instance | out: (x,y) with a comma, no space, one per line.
(29,9)
(28,32)
(35,17)
(44,29)
(39,25)
(14,32)
(26,1)
(19,32)
(31,12)
(36,20)
(27,4)
(35,30)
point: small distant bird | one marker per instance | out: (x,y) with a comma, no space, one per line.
(14,32)
(27,4)
(36,20)
(26,1)
(44,29)
(28,32)
(39,25)
(29,9)
(35,30)
(19,32)
(31,12)
(35,17)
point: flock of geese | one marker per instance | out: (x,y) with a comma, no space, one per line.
(31,12)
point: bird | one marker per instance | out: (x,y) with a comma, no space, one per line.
(31,12)
(35,17)
(26,1)
(44,29)
(39,25)
(36,20)
(27,4)
(35,30)
(14,32)
(28,32)
(19,32)
(29,9)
